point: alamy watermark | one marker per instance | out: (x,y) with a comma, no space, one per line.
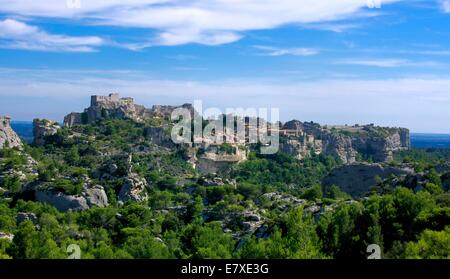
(74,252)
(374,251)
(234,126)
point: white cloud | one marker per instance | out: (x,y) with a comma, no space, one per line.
(384,63)
(209,22)
(19,35)
(445,6)
(275,51)
(334,27)
(389,63)
(183,36)
(426,52)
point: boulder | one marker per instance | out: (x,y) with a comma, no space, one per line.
(90,197)
(95,196)
(214,181)
(133,189)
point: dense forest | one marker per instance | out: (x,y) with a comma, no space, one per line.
(267,207)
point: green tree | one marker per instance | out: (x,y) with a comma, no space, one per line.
(431,245)
(313,193)
(207,241)
(299,241)
(141,244)
(28,243)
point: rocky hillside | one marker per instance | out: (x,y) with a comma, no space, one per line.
(112,181)
(299,139)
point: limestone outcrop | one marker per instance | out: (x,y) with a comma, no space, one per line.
(344,142)
(43,128)
(133,189)
(214,158)
(7,135)
(90,197)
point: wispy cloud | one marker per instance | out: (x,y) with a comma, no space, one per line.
(276,51)
(445,6)
(19,35)
(388,63)
(208,22)
(426,52)
(384,63)
(334,27)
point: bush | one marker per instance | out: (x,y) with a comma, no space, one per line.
(12,183)
(68,187)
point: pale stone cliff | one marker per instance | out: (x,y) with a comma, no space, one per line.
(43,128)
(7,134)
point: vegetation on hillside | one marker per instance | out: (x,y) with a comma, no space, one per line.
(184,218)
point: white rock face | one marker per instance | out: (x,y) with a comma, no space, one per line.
(343,142)
(7,134)
(43,128)
(133,189)
(214,160)
(90,197)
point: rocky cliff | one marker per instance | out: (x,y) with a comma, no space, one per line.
(7,135)
(43,128)
(214,158)
(299,139)
(345,142)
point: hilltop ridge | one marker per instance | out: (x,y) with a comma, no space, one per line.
(348,143)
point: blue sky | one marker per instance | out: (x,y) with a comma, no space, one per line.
(330,61)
